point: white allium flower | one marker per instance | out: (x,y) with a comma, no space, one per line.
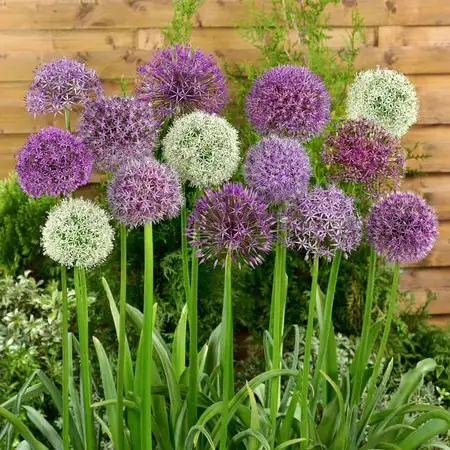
(386,97)
(203,148)
(77,233)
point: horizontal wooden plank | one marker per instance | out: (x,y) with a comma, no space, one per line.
(440,321)
(414,36)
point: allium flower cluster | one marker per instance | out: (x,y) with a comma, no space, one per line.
(288,101)
(322,221)
(278,169)
(179,80)
(362,151)
(231,220)
(386,97)
(53,162)
(402,227)
(144,191)
(77,233)
(203,148)
(61,84)
(117,129)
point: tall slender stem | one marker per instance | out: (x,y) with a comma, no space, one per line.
(83,330)
(147,336)
(67,119)
(65,354)
(184,254)
(226,350)
(386,331)
(122,325)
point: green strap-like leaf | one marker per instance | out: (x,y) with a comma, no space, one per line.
(42,424)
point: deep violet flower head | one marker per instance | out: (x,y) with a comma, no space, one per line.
(322,221)
(61,84)
(364,152)
(77,233)
(203,148)
(144,191)
(180,79)
(231,219)
(288,101)
(278,169)
(53,162)
(117,129)
(402,227)
(385,96)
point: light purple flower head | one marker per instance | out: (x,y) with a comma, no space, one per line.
(278,169)
(322,221)
(53,162)
(402,227)
(231,219)
(364,152)
(179,80)
(288,101)
(117,129)
(144,191)
(61,84)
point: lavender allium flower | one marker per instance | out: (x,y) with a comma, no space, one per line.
(385,96)
(321,222)
(77,233)
(203,148)
(364,152)
(144,191)
(53,162)
(278,169)
(288,101)
(402,227)
(179,80)
(231,219)
(117,129)
(61,84)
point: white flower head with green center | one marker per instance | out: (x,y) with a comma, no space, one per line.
(386,97)
(77,233)
(203,148)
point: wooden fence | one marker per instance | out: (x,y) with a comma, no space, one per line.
(114,36)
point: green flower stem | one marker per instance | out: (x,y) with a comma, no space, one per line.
(147,339)
(327,328)
(386,331)
(362,355)
(226,353)
(65,355)
(83,331)
(193,350)
(184,254)
(122,325)
(67,119)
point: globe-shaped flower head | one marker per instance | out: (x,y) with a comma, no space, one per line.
(53,162)
(231,220)
(288,101)
(144,191)
(278,169)
(117,129)
(77,233)
(402,227)
(322,221)
(179,80)
(203,148)
(364,152)
(386,97)
(61,84)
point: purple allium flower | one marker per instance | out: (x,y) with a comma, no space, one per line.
(322,221)
(117,129)
(232,219)
(288,101)
(179,80)
(402,227)
(278,169)
(144,191)
(61,84)
(53,162)
(364,152)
